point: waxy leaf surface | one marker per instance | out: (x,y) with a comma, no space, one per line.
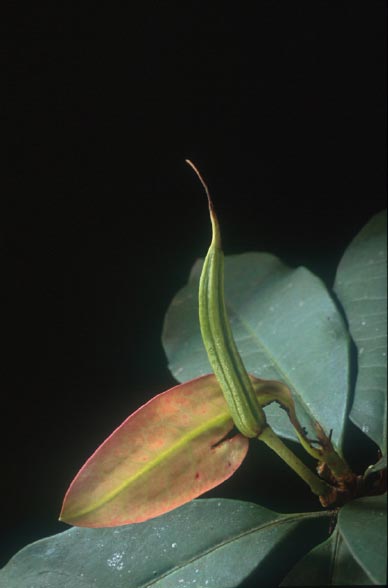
(206,543)
(356,552)
(168,452)
(361,285)
(287,328)
(328,564)
(363,525)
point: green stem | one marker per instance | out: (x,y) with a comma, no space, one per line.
(318,486)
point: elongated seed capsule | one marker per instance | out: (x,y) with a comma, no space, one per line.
(247,414)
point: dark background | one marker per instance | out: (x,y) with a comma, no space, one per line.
(282,109)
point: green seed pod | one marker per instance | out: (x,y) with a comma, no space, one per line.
(224,358)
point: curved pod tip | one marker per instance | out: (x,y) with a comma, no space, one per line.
(213,216)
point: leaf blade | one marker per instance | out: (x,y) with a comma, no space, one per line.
(329,564)
(215,543)
(363,525)
(355,553)
(168,452)
(361,287)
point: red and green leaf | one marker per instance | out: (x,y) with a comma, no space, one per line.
(171,450)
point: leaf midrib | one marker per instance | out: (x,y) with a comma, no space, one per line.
(184,440)
(279,521)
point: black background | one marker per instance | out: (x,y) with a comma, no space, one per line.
(282,109)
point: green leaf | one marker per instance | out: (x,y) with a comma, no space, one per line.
(356,552)
(361,286)
(168,452)
(363,525)
(214,543)
(286,327)
(377,467)
(328,564)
